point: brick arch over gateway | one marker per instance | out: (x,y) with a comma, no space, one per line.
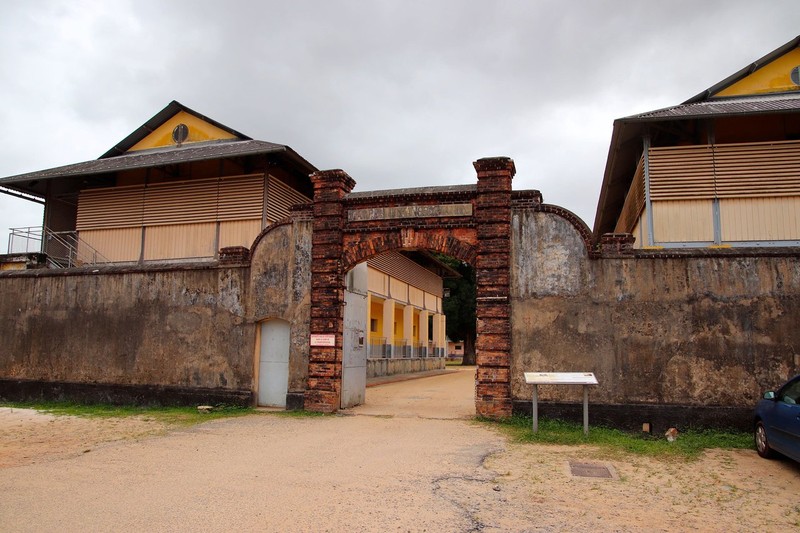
(409,239)
(469,222)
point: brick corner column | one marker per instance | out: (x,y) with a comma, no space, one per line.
(493,306)
(324,383)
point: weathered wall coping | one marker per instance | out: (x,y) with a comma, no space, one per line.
(119,269)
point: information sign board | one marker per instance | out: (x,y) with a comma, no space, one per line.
(326,339)
(560,378)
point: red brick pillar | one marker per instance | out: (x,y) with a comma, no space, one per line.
(493,345)
(324,383)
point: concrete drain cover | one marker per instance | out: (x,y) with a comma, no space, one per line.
(594,470)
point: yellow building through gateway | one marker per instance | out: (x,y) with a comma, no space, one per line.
(404,310)
(393,319)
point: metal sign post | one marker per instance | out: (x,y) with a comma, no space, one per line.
(560,378)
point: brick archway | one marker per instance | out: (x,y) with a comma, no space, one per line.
(469,222)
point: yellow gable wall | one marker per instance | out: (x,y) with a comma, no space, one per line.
(199,130)
(772,78)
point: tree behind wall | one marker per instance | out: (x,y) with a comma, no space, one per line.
(459,307)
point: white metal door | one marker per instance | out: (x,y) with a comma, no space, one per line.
(354,350)
(273,368)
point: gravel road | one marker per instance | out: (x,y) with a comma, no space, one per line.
(409,460)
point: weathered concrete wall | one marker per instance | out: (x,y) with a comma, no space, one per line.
(281,288)
(125,333)
(707,330)
(674,329)
(383,366)
(183,328)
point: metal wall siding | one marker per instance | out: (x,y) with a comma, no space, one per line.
(683,221)
(110,208)
(116,245)
(402,268)
(241,197)
(180,241)
(181,202)
(681,172)
(239,232)
(760,219)
(634,201)
(280,197)
(638,233)
(177,202)
(757,170)
(740,170)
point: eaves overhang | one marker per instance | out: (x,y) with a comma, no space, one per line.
(32,182)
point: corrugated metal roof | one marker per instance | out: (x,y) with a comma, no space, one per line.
(723,107)
(153,158)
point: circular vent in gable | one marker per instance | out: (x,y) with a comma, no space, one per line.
(795,75)
(180,133)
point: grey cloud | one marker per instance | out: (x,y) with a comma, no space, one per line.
(397,93)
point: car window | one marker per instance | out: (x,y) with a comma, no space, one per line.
(791,394)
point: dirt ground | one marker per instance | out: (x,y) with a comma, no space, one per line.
(409,460)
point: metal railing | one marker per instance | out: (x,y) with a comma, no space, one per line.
(378,347)
(419,350)
(64,249)
(25,240)
(401,349)
(434,350)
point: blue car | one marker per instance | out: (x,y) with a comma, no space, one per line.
(777,422)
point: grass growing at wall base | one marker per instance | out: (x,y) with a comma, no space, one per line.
(689,445)
(181,416)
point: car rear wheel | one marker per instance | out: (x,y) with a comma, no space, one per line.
(762,444)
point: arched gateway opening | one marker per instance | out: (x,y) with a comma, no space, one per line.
(469,222)
(396,325)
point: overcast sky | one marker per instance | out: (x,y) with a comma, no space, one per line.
(397,93)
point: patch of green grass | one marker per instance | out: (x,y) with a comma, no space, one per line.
(181,416)
(689,445)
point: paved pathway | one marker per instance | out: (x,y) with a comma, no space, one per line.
(448,395)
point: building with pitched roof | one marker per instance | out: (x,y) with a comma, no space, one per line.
(180,187)
(722,169)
